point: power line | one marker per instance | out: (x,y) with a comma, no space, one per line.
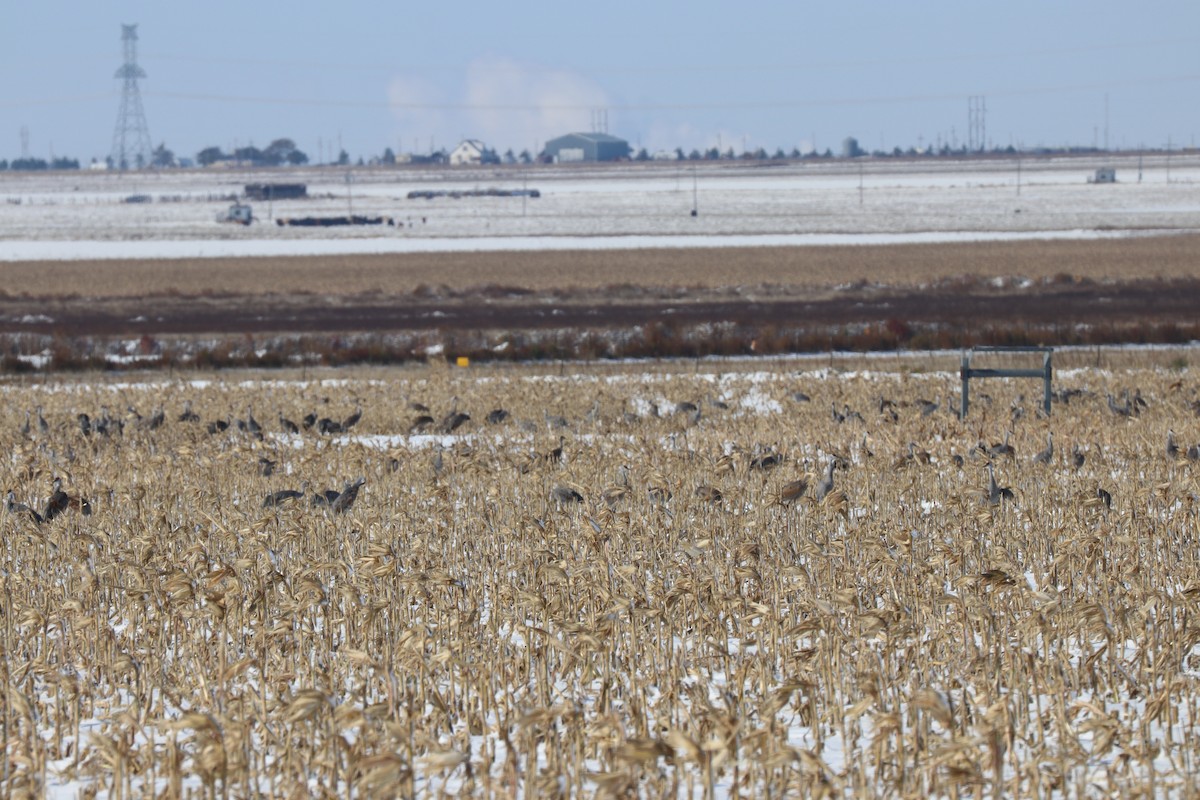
(626,67)
(706,106)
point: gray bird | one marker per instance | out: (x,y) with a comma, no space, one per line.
(825,485)
(13,507)
(996,493)
(283,495)
(1046,455)
(346,499)
(565,494)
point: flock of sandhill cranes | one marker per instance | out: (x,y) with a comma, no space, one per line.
(810,487)
(105,424)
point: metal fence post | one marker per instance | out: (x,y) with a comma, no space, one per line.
(966,384)
(1049,368)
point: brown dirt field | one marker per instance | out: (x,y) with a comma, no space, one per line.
(1168,257)
(1118,284)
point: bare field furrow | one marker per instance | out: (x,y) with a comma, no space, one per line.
(809,268)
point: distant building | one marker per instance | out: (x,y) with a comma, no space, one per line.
(850,148)
(469,151)
(276,191)
(586,147)
(1103,175)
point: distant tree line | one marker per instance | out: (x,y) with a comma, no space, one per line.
(35,164)
(283,152)
(278,153)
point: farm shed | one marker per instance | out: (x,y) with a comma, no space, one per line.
(1103,175)
(276,191)
(586,147)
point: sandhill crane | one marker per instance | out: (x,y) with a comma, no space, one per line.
(309,420)
(420,424)
(767,461)
(555,421)
(799,397)
(352,420)
(659,492)
(85,423)
(1104,496)
(913,455)
(825,485)
(709,494)
(218,426)
(1045,456)
(929,407)
(43,426)
(59,501)
(325,498)
(1172,449)
(342,503)
(266,467)
(13,507)
(837,416)
(792,491)
(327,426)
(188,415)
(287,425)
(1076,457)
(563,494)
(155,420)
(1002,448)
(615,494)
(283,495)
(496,416)
(996,493)
(1120,411)
(455,419)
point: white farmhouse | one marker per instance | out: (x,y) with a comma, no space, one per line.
(469,151)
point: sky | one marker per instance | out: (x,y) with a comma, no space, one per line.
(365,76)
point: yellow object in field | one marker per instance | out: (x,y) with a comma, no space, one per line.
(463,361)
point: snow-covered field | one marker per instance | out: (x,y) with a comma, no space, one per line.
(83,214)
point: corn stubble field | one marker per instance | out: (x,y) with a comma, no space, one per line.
(608,593)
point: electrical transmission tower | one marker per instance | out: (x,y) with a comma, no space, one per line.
(131,139)
(976,123)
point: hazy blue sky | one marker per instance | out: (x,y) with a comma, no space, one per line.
(770,74)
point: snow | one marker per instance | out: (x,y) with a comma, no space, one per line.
(80,215)
(107,250)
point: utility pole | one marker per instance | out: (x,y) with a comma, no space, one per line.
(695,193)
(1106,122)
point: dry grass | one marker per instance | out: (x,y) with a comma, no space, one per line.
(459,630)
(812,267)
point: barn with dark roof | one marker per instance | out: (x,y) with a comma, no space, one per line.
(586,147)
